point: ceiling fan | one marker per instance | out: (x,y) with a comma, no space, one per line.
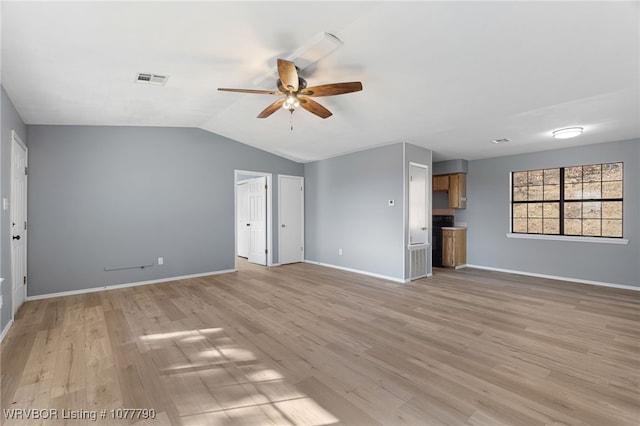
(293,92)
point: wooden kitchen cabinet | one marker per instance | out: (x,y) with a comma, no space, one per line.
(440,183)
(454,246)
(458,191)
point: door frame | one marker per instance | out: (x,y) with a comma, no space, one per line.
(241,187)
(15,140)
(236,175)
(427,202)
(301,179)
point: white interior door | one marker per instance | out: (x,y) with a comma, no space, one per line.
(18,212)
(258,220)
(418,204)
(244,226)
(291,219)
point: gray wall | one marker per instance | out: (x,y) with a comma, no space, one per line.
(440,200)
(487,215)
(10,120)
(124,196)
(450,166)
(346,207)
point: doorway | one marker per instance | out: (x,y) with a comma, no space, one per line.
(290,219)
(418,195)
(18,221)
(253,216)
(419,184)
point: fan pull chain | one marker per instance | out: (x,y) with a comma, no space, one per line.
(291,119)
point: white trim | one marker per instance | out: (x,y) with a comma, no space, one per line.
(406,268)
(302,243)
(15,140)
(357,271)
(6,330)
(269,177)
(126,285)
(407,212)
(571,238)
(555,277)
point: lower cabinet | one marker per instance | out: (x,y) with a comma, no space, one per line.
(454,246)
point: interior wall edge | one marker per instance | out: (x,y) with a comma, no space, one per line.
(126,285)
(556,278)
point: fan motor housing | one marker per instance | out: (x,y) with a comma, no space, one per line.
(302,84)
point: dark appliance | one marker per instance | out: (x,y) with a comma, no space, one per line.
(439,222)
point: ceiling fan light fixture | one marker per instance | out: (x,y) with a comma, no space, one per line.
(568,132)
(291,102)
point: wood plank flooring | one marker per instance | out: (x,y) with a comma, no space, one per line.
(307,345)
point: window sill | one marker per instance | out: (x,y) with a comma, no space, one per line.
(570,238)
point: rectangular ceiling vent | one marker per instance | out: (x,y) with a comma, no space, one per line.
(148,78)
(503,140)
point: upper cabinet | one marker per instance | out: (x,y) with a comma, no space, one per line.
(458,191)
(440,183)
(456,185)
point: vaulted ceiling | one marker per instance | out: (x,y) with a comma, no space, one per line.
(449,76)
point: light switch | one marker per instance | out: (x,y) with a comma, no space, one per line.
(5,204)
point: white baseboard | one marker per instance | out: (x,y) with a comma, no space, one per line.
(6,330)
(357,271)
(555,277)
(134,284)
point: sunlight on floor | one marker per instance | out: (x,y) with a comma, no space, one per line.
(215,381)
(182,335)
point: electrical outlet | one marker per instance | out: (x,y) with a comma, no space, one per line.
(161,261)
(339,252)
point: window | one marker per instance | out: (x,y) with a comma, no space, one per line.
(577,201)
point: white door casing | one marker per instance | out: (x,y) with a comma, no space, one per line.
(243,231)
(258,220)
(18,221)
(290,219)
(418,193)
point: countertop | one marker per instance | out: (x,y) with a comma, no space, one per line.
(453,227)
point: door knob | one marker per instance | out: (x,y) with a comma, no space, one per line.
(248,224)
(16,237)
(283,225)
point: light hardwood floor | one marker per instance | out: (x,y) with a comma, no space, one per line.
(303,344)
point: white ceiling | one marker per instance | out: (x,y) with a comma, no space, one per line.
(449,76)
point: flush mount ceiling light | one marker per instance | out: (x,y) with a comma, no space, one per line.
(569,132)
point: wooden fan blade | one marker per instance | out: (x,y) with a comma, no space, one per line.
(288,75)
(257,92)
(271,108)
(314,107)
(332,89)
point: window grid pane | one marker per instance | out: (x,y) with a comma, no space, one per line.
(590,203)
(529,213)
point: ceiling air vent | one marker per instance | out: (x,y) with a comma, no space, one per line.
(148,78)
(503,140)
